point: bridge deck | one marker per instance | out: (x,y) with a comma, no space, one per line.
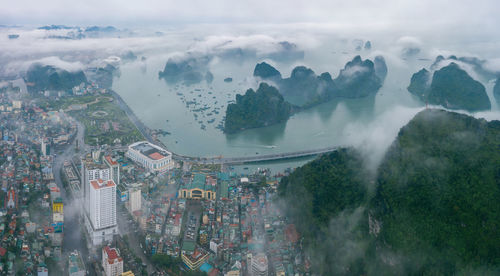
(262,158)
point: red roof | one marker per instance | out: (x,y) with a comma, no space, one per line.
(156,156)
(111,161)
(99,183)
(112,254)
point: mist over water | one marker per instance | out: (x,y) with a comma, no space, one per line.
(369,124)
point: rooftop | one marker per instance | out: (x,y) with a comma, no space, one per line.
(152,151)
(110,160)
(111,252)
(99,183)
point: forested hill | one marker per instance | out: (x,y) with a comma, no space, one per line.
(259,108)
(438,192)
(435,209)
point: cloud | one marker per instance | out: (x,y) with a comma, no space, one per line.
(374,138)
(57,62)
(428,13)
(493,64)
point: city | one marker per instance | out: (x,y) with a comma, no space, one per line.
(134,209)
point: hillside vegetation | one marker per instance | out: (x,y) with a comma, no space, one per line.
(435,209)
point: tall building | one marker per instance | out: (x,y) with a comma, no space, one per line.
(99,200)
(150,156)
(114,169)
(135,198)
(92,170)
(258,266)
(102,210)
(112,263)
(45,148)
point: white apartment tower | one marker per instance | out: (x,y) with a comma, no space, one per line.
(92,171)
(102,210)
(99,201)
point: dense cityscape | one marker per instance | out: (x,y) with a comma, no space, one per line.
(136,208)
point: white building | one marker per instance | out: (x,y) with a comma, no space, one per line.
(102,210)
(135,198)
(92,171)
(112,263)
(114,169)
(99,202)
(150,156)
(258,265)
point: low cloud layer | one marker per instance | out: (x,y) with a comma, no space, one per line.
(366,13)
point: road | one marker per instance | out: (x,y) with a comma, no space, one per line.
(72,227)
(130,229)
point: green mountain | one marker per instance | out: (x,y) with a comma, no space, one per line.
(304,88)
(420,84)
(434,209)
(450,87)
(46,77)
(258,108)
(438,190)
(266,72)
(359,79)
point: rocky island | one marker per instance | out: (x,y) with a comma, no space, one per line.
(188,70)
(304,88)
(450,87)
(259,108)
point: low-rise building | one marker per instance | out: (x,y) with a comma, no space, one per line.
(200,186)
(112,263)
(150,156)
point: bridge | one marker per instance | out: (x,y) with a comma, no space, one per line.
(257,158)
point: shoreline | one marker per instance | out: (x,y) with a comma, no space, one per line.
(143,129)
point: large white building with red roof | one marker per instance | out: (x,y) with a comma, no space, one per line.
(150,156)
(99,202)
(102,209)
(112,263)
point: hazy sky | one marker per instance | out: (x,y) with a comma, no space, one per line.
(423,13)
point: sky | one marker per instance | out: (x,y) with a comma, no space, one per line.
(361,13)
